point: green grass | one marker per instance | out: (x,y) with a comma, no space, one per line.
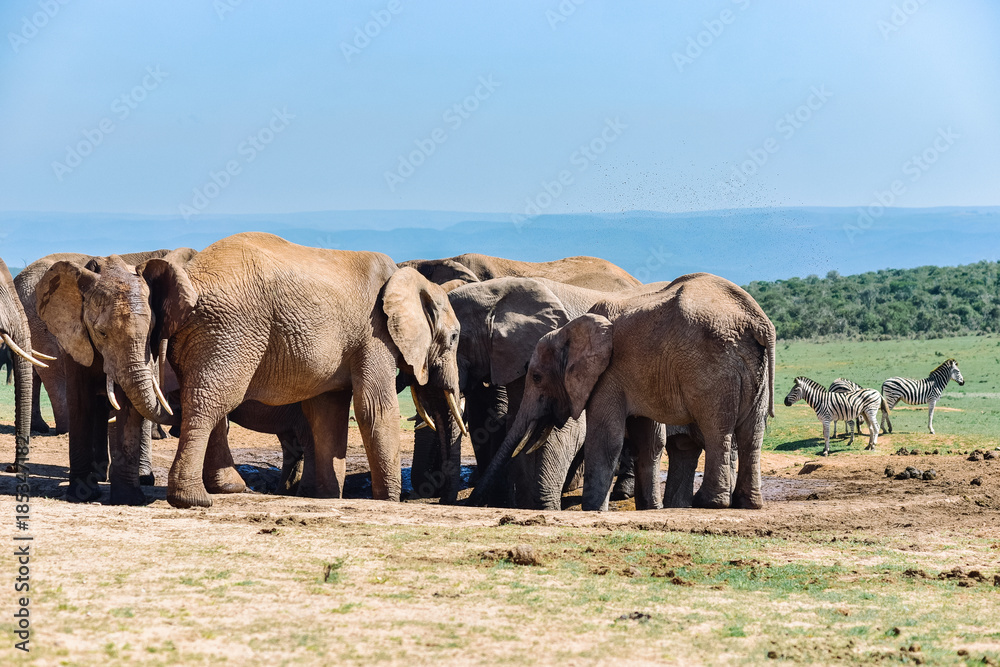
(872,362)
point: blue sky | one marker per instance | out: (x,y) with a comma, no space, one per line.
(611,107)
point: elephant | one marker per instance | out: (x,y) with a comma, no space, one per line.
(16,336)
(255,317)
(590,272)
(700,352)
(501,321)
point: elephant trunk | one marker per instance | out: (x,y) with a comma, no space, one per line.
(22,393)
(523,432)
(143,390)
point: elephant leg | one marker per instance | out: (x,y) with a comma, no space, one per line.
(376,410)
(291,463)
(683,453)
(426,478)
(647,440)
(328,415)
(624,487)
(602,449)
(749,441)
(574,476)
(716,487)
(553,462)
(158,433)
(487,409)
(219,472)
(38,424)
(88,432)
(127,440)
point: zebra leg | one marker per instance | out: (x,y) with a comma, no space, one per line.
(850,432)
(872,419)
(886,407)
(930,415)
(835,428)
(826,437)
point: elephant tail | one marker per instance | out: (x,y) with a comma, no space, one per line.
(765,334)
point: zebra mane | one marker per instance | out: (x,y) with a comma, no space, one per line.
(947,362)
(802,379)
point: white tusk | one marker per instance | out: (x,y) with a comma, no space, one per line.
(21,353)
(111,393)
(541,441)
(420,426)
(38,355)
(159,395)
(113,419)
(524,440)
(456,412)
(420,409)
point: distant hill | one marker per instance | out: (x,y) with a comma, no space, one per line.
(926,302)
(742,245)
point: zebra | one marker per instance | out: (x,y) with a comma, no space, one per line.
(831,407)
(842,386)
(919,392)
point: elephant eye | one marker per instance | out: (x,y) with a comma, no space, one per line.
(536,378)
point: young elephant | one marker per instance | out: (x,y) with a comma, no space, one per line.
(254,317)
(700,352)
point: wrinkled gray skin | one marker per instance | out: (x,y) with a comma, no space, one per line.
(77,383)
(700,352)
(501,321)
(254,317)
(14,323)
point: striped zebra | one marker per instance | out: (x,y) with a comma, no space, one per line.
(830,407)
(920,392)
(842,386)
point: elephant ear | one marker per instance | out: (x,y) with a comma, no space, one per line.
(171,294)
(528,311)
(60,305)
(414,308)
(442,271)
(588,345)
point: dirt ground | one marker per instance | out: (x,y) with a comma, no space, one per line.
(414,582)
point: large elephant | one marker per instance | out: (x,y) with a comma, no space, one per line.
(254,317)
(699,352)
(78,384)
(590,272)
(501,321)
(16,336)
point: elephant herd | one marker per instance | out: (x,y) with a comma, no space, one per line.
(554,371)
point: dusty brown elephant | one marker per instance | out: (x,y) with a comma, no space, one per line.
(79,381)
(700,352)
(501,321)
(589,272)
(14,333)
(254,317)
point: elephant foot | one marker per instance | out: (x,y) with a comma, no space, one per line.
(624,488)
(224,480)
(102,474)
(158,432)
(306,490)
(715,502)
(751,501)
(16,467)
(147,480)
(83,490)
(40,427)
(189,497)
(126,494)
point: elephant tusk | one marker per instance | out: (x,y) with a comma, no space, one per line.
(159,395)
(420,409)
(456,412)
(525,439)
(542,439)
(21,353)
(419,426)
(38,355)
(111,393)
(113,419)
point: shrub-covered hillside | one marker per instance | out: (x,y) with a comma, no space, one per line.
(929,301)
